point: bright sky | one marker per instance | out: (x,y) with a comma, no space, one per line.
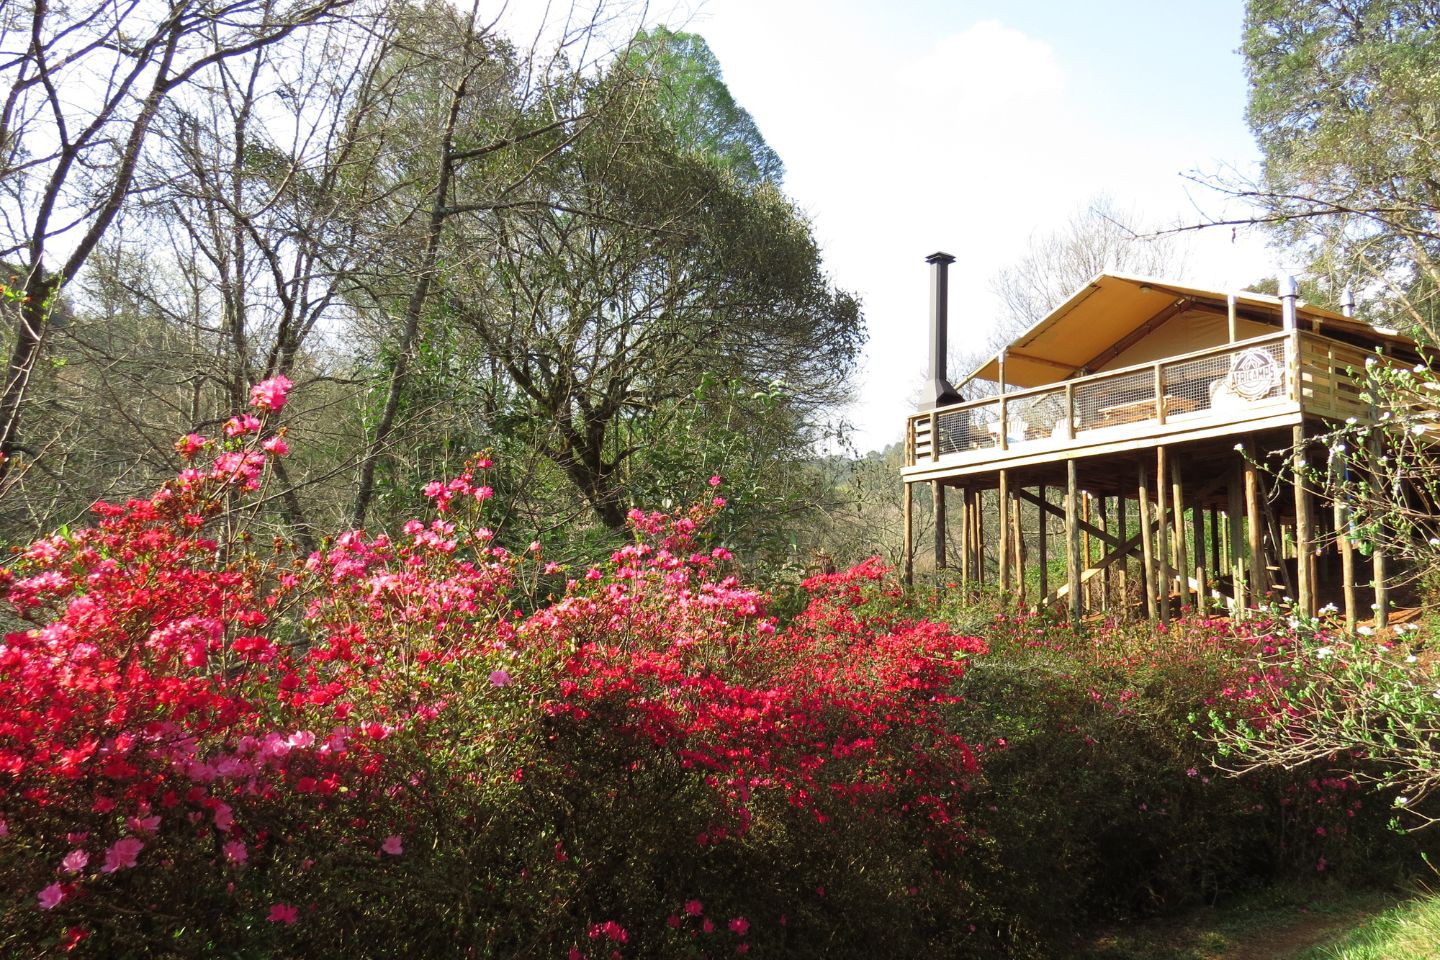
(912,126)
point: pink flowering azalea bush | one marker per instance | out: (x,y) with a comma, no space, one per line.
(210,743)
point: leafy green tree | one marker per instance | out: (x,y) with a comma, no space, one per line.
(691,95)
(1343,103)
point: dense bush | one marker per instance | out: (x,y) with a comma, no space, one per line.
(208,744)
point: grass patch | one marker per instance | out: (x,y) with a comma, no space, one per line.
(1282,923)
(1407,931)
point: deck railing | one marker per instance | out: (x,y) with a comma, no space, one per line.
(1228,383)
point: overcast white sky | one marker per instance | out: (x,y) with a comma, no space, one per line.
(910,126)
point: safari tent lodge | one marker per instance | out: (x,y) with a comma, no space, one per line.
(1159,427)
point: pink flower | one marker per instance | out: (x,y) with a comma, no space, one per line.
(484,493)
(276,445)
(575,954)
(143,824)
(51,896)
(715,480)
(122,854)
(500,678)
(241,425)
(236,852)
(270,394)
(283,913)
(693,908)
(740,926)
(224,817)
(190,444)
(74,861)
(392,845)
(708,926)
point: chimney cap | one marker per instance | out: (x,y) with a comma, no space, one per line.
(939,257)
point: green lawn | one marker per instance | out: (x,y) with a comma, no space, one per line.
(1285,924)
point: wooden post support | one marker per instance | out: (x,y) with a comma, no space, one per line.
(1122,576)
(1304,525)
(1104,524)
(1182,555)
(909,548)
(1072,538)
(1002,533)
(1147,546)
(1019,553)
(1235,495)
(965,539)
(1202,598)
(1347,563)
(1042,542)
(1162,532)
(978,516)
(1215,541)
(937,492)
(1088,588)
(1197,532)
(1259,571)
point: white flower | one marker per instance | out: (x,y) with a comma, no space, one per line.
(1364,631)
(1239,448)
(1401,801)
(1411,659)
(1418,429)
(1351,421)
(1419,368)
(1329,608)
(1435,541)
(1323,652)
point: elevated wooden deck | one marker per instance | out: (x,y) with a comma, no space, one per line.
(1277,380)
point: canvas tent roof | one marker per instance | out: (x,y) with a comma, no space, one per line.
(1113,308)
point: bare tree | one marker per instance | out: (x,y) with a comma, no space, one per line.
(68,162)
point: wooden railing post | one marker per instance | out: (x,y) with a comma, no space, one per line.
(934,436)
(1069,410)
(1160,400)
(1004,427)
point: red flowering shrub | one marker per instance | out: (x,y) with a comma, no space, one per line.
(209,744)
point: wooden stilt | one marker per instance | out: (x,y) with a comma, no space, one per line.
(1235,540)
(1182,555)
(1162,533)
(1215,541)
(937,491)
(1256,555)
(1202,598)
(1104,524)
(1197,534)
(1304,525)
(1072,539)
(1147,546)
(1085,546)
(1347,563)
(1122,575)
(978,517)
(1002,531)
(964,540)
(1043,545)
(909,548)
(1019,554)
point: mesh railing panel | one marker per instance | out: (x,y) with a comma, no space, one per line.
(1207,383)
(1035,416)
(1114,401)
(971,428)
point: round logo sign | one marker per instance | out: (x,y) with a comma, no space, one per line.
(1253,374)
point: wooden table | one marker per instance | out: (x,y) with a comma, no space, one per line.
(1137,411)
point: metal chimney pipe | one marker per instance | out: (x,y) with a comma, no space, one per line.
(939,391)
(1288,292)
(1347,301)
